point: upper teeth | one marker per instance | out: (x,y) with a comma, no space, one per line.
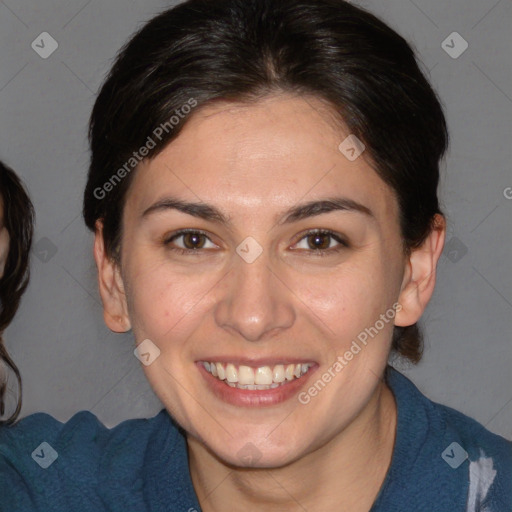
(247,377)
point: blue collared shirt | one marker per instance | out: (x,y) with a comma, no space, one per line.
(443,461)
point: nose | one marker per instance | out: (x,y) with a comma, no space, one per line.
(256,304)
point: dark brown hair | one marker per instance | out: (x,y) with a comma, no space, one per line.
(243,50)
(19,220)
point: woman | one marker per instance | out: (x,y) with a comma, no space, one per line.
(16,229)
(263,193)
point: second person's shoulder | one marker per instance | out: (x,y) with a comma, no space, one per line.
(44,461)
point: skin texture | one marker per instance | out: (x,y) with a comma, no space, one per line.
(253,162)
(4,239)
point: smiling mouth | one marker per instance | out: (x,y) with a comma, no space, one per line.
(256,378)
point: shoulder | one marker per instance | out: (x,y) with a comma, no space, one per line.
(486,458)
(455,456)
(83,433)
(44,461)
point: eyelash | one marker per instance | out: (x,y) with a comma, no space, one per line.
(342,244)
(181,233)
(317,252)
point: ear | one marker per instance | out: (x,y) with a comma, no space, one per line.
(115,309)
(420,275)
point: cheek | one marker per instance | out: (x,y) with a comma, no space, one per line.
(163,303)
(347,299)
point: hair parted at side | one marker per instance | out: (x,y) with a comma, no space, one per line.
(19,220)
(243,50)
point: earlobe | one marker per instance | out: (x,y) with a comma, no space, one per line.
(420,275)
(113,297)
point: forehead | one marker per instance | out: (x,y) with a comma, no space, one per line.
(264,155)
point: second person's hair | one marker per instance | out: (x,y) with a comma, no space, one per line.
(19,221)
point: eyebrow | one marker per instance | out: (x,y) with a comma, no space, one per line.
(294,214)
(313,208)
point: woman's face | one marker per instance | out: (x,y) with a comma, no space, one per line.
(4,239)
(293,253)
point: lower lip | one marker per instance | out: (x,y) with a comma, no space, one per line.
(256,397)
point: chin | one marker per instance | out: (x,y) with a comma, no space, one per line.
(255,450)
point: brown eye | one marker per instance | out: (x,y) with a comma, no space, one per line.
(320,241)
(193,240)
(189,241)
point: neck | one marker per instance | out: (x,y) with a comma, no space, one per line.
(344,474)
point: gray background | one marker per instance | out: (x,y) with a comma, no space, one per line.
(68,358)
